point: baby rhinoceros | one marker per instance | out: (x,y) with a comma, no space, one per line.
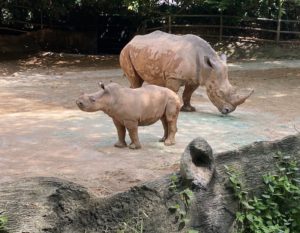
(130,108)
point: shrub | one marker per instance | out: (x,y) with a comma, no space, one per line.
(277,208)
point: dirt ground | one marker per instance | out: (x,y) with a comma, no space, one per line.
(43,133)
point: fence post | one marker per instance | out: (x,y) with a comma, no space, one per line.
(278,21)
(278,31)
(169,24)
(42,25)
(221,26)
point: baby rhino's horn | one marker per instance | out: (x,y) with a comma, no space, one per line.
(101,84)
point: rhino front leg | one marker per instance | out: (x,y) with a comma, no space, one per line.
(132,128)
(135,143)
(172,129)
(121,134)
(186,97)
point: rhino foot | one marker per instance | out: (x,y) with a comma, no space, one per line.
(134,146)
(169,142)
(120,144)
(187,108)
(163,139)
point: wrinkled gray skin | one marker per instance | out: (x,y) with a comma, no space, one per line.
(172,61)
(130,108)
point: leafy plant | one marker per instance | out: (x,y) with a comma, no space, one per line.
(277,209)
(134,225)
(3,221)
(193,231)
(174,183)
(180,208)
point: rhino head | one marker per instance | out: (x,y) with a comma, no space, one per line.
(93,102)
(220,92)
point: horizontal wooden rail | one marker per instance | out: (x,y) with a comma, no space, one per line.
(250,28)
(237,17)
(195,16)
(290,32)
(196,26)
(153,29)
(168,22)
(12,29)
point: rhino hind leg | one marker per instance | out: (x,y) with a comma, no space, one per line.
(133,77)
(186,97)
(174,84)
(171,115)
(165,125)
(135,81)
(172,129)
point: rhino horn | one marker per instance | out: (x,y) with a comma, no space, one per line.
(223,57)
(101,84)
(238,98)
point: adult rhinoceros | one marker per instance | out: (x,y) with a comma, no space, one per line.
(172,61)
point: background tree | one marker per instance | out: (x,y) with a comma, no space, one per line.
(72,12)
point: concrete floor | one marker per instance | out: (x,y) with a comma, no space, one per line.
(44,134)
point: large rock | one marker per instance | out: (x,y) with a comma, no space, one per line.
(215,207)
(197,164)
(55,205)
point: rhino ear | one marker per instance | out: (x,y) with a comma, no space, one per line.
(92,99)
(208,62)
(101,84)
(223,57)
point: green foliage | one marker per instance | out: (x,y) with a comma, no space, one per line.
(193,231)
(134,225)
(142,7)
(3,221)
(174,183)
(181,207)
(277,209)
(60,11)
(56,12)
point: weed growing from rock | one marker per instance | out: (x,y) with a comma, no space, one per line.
(180,208)
(134,225)
(3,221)
(277,208)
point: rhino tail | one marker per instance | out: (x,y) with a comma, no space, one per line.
(129,70)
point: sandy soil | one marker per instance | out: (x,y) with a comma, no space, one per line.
(42,133)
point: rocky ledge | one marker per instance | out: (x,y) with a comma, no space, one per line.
(47,204)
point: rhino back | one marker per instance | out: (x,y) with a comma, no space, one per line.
(145,105)
(162,40)
(158,56)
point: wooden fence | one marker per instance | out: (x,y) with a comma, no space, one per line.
(279,30)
